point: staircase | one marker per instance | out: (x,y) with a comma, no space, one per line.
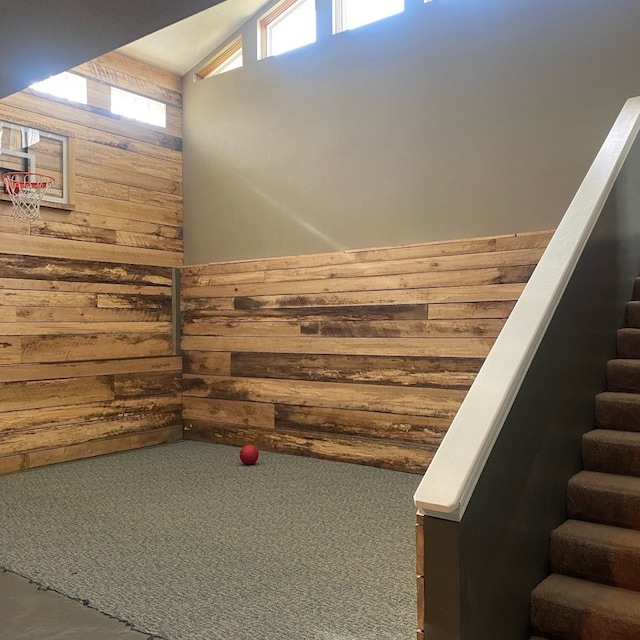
(594,590)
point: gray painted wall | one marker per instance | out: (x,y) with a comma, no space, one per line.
(39,39)
(486,566)
(459,118)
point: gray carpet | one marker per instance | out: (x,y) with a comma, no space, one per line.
(185,542)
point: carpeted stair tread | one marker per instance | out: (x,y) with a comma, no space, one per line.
(605,498)
(612,451)
(629,343)
(597,552)
(619,411)
(623,375)
(573,609)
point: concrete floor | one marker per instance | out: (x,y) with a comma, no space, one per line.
(29,613)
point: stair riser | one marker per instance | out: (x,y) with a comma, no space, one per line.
(557,620)
(628,343)
(617,415)
(611,458)
(580,559)
(604,507)
(633,314)
(623,377)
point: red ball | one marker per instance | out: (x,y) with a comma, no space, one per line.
(249,454)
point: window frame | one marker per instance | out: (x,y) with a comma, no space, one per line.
(275,14)
(225,54)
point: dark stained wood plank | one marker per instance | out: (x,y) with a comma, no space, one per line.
(205,313)
(402,329)
(388,427)
(33,267)
(135,385)
(457,373)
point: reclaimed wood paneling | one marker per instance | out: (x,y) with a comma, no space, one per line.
(86,356)
(361,356)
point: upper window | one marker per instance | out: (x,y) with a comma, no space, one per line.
(287,26)
(69,86)
(229,58)
(138,107)
(351,14)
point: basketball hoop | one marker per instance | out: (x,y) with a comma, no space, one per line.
(26,190)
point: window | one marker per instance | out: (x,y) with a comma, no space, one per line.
(138,107)
(69,86)
(287,26)
(229,58)
(351,14)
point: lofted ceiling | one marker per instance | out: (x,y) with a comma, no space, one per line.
(180,46)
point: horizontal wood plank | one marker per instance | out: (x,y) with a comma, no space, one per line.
(249,414)
(21,372)
(367,424)
(93,347)
(437,403)
(101,447)
(436,347)
(457,373)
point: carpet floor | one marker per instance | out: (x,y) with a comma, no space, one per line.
(186,543)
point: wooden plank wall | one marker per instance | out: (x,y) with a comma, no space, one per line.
(86,357)
(361,356)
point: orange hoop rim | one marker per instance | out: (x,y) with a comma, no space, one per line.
(12,179)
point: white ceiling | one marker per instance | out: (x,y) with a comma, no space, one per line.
(179,47)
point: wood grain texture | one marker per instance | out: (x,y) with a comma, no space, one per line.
(362,356)
(86,351)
